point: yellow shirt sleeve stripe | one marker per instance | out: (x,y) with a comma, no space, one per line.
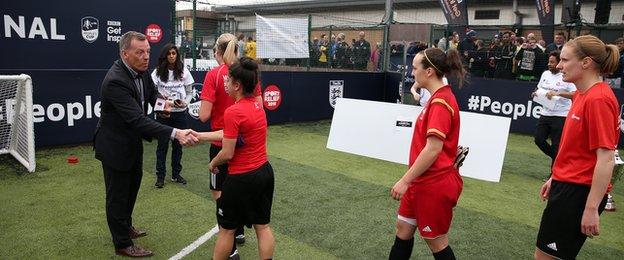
(436,132)
(443,102)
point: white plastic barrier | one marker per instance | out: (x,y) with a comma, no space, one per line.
(384,131)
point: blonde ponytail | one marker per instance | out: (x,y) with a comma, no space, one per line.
(230,55)
(612,60)
(226,47)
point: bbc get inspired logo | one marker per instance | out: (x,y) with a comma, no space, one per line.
(154,33)
(272,97)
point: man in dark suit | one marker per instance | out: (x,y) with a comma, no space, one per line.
(126,92)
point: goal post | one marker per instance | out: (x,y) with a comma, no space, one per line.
(17,135)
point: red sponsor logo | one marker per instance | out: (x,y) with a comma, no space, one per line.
(272,97)
(154,33)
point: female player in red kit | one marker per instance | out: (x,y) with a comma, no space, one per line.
(577,189)
(247,193)
(430,188)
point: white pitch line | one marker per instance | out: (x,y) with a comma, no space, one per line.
(187,250)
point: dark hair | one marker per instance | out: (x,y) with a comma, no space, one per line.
(163,64)
(561,34)
(448,63)
(246,72)
(555,54)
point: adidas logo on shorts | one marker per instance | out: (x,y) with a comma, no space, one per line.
(426,229)
(220,212)
(552,246)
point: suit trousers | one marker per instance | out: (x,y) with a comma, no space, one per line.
(122,188)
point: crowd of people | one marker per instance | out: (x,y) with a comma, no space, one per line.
(338,53)
(511,56)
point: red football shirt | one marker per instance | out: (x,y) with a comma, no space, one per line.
(214,92)
(439,118)
(246,122)
(592,123)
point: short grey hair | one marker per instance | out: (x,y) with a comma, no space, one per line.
(126,39)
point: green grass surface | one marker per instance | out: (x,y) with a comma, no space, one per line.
(327,205)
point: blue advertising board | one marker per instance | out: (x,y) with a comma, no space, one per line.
(76,35)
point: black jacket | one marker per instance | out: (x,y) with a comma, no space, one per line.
(123,124)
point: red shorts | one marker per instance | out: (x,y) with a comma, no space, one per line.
(429,206)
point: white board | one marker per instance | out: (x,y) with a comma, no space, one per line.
(282,37)
(369,128)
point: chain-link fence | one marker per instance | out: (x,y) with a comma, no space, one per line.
(353,36)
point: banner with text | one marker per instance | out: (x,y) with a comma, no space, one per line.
(546,14)
(456,11)
(282,37)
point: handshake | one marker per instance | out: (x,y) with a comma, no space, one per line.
(189,137)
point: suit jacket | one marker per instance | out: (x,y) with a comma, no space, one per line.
(123,124)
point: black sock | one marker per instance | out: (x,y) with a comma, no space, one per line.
(402,249)
(445,254)
(233,246)
(239,231)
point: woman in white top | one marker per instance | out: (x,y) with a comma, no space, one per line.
(174,82)
(551,121)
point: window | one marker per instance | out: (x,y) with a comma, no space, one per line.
(487,14)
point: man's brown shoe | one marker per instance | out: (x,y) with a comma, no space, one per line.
(134,251)
(136,233)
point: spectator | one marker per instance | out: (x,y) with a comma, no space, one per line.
(323,40)
(376,57)
(453,41)
(241,45)
(414,48)
(322,61)
(333,44)
(503,58)
(467,45)
(361,52)
(314,52)
(527,57)
(517,47)
(442,44)
(615,79)
(250,48)
(541,44)
(342,53)
(558,44)
(478,60)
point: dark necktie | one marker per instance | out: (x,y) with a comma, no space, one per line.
(139,82)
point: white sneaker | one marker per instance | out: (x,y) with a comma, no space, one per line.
(234,256)
(240,239)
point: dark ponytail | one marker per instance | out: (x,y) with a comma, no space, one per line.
(246,72)
(445,64)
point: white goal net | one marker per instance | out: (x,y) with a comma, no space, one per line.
(17,135)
